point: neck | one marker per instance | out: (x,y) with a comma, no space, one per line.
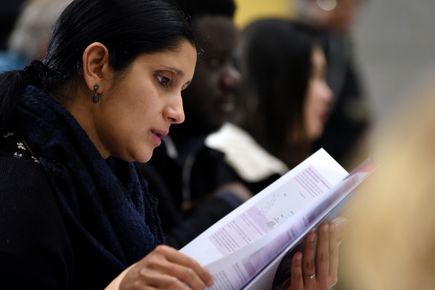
(83,110)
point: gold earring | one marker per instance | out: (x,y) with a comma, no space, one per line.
(95,98)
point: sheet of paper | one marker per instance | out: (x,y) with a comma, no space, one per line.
(324,210)
(245,241)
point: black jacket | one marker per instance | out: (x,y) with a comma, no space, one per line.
(168,177)
(35,249)
(74,220)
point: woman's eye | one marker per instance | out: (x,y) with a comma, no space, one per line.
(164,81)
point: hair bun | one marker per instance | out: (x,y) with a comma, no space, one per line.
(36,73)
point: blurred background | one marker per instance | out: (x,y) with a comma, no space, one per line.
(394,44)
(9,10)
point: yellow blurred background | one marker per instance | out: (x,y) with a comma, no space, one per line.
(248,10)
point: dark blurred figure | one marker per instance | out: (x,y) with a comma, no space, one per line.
(8,14)
(190,194)
(350,117)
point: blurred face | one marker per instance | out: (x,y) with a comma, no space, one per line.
(138,107)
(319,97)
(343,16)
(339,15)
(210,98)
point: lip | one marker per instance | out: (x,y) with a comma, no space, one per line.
(157,136)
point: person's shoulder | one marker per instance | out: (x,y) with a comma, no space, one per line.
(13,145)
(18,167)
(33,233)
(23,183)
(30,208)
(20,173)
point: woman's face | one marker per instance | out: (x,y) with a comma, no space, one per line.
(319,97)
(138,107)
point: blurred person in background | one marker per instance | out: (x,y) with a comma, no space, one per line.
(350,118)
(30,35)
(283,102)
(282,106)
(391,243)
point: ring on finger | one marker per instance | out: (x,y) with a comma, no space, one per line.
(311,276)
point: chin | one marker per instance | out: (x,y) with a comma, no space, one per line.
(315,134)
(141,156)
(144,158)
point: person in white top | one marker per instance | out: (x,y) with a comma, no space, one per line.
(283,103)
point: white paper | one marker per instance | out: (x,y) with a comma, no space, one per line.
(253,238)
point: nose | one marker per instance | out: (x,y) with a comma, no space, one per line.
(231,78)
(174,112)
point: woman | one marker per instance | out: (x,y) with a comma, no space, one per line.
(110,85)
(75,213)
(285,102)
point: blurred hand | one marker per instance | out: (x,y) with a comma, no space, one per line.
(316,268)
(165,268)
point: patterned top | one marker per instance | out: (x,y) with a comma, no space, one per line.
(13,144)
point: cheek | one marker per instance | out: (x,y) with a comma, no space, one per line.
(312,121)
(309,108)
(315,99)
(316,126)
(139,107)
(127,121)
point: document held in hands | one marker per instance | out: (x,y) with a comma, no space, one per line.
(243,250)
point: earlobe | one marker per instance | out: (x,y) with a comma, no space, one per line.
(95,64)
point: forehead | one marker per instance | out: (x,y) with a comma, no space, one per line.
(216,33)
(181,60)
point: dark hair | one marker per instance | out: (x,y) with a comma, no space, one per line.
(198,8)
(126,27)
(275,60)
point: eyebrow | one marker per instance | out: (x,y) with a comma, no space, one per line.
(176,70)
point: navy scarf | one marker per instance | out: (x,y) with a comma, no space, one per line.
(108,212)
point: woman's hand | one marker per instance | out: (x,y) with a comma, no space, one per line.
(165,268)
(316,268)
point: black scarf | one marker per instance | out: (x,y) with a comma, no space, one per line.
(109,215)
